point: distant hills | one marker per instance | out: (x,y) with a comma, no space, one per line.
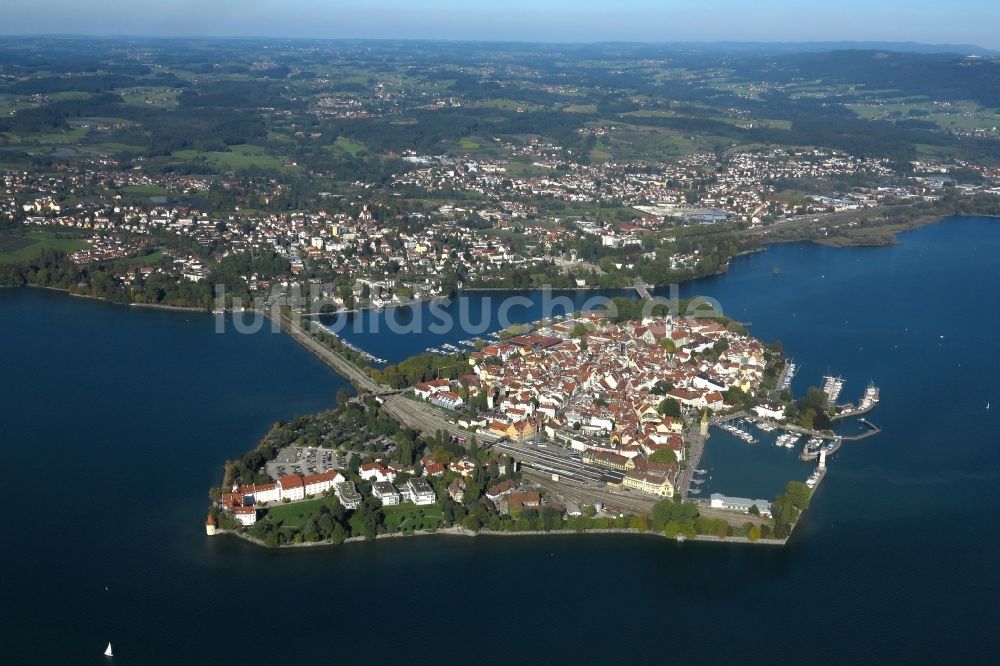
(816,47)
(715,46)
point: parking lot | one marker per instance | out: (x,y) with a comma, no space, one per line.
(305,460)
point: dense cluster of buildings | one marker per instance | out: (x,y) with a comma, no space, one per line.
(600,393)
(387,256)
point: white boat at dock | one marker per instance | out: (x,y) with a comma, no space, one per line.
(787,440)
(789,375)
(736,431)
(832,386)
(814,478)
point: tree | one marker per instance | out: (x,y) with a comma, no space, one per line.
(343,395)
(448,511)
(669,407)
(668,345)
(664,456)
(737,397)
(366,521)
(338,534)
(661,387)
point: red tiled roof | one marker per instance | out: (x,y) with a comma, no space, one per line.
(291,481)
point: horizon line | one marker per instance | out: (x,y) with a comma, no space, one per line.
(678,42)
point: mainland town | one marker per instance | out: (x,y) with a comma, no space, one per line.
(621,223)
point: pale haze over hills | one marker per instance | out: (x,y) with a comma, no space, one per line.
(959,23)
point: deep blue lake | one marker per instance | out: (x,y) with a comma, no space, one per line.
(117,420)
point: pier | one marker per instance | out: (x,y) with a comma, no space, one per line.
(865,405)
(786,376)
(872,430)
(832,386)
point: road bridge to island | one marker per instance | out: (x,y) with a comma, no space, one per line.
(411,413)
(642,289)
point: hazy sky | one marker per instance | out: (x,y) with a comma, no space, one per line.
(937,21)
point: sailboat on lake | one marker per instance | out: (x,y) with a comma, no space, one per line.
(108,652)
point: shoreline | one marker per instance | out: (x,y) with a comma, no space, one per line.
(461,531)
(160,306)
(131,304)
(891,231)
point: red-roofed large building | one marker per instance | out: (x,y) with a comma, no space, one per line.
(292,487)
(321,482)
(374,472)
(246,515)
(262,492)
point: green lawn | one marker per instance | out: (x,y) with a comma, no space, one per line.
(146,190)
(295,514)
(74,135)
(350,147)
(146,260)
(505,105)
(239,156)
(580,108)
(411,516)
(14,249)
(150,97)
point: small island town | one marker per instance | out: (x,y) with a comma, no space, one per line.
(578,423)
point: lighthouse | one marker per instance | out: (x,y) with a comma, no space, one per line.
(822,459)
(210,525)
(704,423)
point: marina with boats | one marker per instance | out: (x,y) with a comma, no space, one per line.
(371,358)
(787,375)
(738,429)
(813,446)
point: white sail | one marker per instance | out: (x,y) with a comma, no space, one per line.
(108,652)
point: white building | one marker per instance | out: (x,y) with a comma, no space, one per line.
(348,495)
(246,515)
(262,492)
(316,484)
(374,471)
(386,493)
(420,492)
(291,487)
(720,501)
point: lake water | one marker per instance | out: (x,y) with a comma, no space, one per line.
(396,333)
(117,420)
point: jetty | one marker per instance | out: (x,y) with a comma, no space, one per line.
(832,386)
(872,430)
(787,375)
(867,403)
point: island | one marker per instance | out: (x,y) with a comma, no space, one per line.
(589,422)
